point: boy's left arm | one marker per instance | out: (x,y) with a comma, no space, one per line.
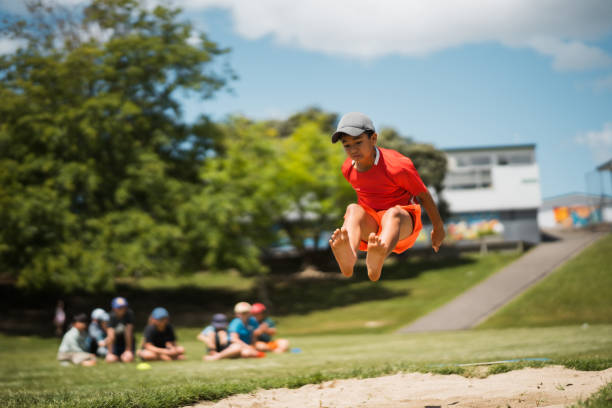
(438,233)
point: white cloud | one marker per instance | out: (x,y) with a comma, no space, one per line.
(571,55)
(9,45)
(368,29)
(560,29)
(599,141)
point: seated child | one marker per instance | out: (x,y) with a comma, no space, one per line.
(159,339)
(97,332)
(74,344)
(242,330)
(217,340)
(120,341)
(267,328)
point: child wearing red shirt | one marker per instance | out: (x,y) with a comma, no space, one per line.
(387,217)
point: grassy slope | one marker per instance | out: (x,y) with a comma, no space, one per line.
(578,292)
(29,376)
(406,291)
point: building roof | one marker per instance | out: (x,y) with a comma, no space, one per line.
(575,199)
(527,146)
(606,166)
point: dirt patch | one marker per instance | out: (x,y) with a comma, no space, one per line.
(553,386)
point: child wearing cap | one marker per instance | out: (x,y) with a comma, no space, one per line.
(98,332)
(242,330)
(159,339)
(74,344)
(217,340)
(386,217)
(120,340)
(267,329)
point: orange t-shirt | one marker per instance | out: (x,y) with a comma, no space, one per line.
(392,180)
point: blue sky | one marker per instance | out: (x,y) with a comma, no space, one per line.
(468,95)
(454,74)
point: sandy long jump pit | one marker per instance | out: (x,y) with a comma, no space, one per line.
(553,386)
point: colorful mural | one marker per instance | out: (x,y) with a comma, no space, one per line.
(468,228)
(576,216)
(474,229)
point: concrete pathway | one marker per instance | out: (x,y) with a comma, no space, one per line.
(476,304)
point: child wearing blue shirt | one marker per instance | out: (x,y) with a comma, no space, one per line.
(242,330)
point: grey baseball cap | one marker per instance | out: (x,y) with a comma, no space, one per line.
(353,124)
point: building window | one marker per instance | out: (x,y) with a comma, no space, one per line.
(480,160)
(468,180)
(514,159)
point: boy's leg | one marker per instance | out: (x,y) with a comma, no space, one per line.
(261,346)
(396,224)
(344,242)
(148,355)
(179,353)
(233,350)
(282,345)
(248,352)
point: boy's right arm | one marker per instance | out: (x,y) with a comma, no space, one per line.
(208,339)
(438,233)
(235,338)
(158,350)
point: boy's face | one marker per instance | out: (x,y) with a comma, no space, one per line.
(244,316)
(120,311)
(160,323)
(359,148)
(258,316)
(80,326)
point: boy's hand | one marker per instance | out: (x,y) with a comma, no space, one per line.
(437,236)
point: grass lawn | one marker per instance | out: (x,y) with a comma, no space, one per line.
(578,292)
(343,327)
(30,376)
(406,291)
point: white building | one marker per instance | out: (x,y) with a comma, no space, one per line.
(493,191)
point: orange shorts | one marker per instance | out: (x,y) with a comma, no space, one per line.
(415,212)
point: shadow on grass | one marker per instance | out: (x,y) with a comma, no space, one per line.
(31,313)
(27,313)
(402,267)
(299,297)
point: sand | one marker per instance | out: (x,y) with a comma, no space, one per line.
(552,386)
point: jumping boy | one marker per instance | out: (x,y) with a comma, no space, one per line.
(386,217)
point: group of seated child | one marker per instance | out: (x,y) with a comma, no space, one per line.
(249,334)
(111,336)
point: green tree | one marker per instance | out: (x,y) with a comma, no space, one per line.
(229,222)
(314,191)
(94,156)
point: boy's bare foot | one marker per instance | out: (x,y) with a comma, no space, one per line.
(210,357)
(341,247)
(377,252)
